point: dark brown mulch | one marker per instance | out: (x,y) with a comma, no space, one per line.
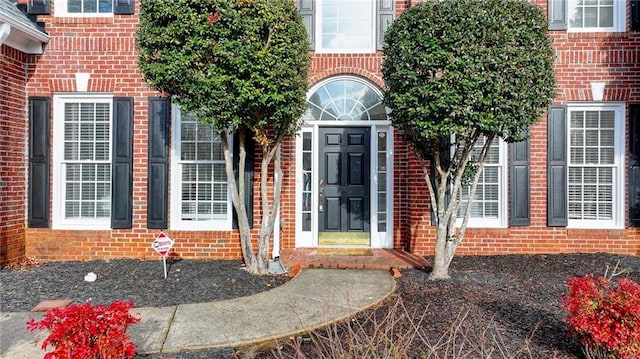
(516,296)
(510,303)
(143,282)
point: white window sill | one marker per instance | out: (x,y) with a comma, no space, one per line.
(82,226)
(201,226)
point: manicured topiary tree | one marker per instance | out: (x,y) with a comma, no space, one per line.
(459,71)
(239,65)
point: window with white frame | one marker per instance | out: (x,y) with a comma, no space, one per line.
(345,26)
(82,162)
(595,169)
(488,208)
(84,8)
(597,15)
(200,196)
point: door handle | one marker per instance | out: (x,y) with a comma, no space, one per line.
(321,195)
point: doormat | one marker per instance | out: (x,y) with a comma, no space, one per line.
(345,251)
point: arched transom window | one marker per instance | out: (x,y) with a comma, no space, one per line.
(345,99)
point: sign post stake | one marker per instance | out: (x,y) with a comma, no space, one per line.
(162,244)
(164,262)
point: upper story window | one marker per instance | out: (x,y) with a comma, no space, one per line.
(597,15)
(86,8)
(346,26)
(587,15)
(89,6)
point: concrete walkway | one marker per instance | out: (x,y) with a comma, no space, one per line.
(312,299)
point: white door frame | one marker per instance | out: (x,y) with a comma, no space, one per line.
(379,239)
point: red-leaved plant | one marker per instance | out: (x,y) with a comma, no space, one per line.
(88,332)
(604,316)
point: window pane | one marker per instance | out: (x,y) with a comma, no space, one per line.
(382,202)
(74,6)
(577,18)
(90,6)
(106,6)
(590,15)
(205,172)
(606,17)
(204,151)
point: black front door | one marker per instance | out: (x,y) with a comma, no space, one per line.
(344,187)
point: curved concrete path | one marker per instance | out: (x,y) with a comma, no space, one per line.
(312,299)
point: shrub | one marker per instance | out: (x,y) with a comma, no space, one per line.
(604,316)
(393,331)
(87,331)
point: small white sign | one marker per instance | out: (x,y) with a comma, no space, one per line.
(162,244)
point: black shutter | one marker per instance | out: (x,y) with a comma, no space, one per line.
(634,165)
(519,194)
(385,11)
(557,167)
(122,168)
(248,173)
(158,164)
(558,14)
(123,7)
(635,15)
(38,202)
(307,10)
(39,7)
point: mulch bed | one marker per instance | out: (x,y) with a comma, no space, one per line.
(509,303)
(188,281)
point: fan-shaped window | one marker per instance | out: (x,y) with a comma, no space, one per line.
(345,100)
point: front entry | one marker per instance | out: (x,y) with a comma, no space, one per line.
(344,186)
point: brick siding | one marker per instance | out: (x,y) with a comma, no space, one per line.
(13,152)
(105,48)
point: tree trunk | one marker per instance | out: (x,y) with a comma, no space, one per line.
(269,208)
(237,197)
(441,261)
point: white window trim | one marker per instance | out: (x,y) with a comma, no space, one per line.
(619,18)
(318,34)
(503,207)
(176,222)
(619,176)
(61,11)
(309,239)
(58,185)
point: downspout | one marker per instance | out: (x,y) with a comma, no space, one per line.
(5,31)
(275,254)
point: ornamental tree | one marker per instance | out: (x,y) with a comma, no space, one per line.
(241,66)
(459,74)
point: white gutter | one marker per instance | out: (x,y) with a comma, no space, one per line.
(21,36)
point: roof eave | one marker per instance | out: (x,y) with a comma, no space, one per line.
(27,39)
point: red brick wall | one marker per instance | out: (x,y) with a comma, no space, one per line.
(13,151)
(105,48)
